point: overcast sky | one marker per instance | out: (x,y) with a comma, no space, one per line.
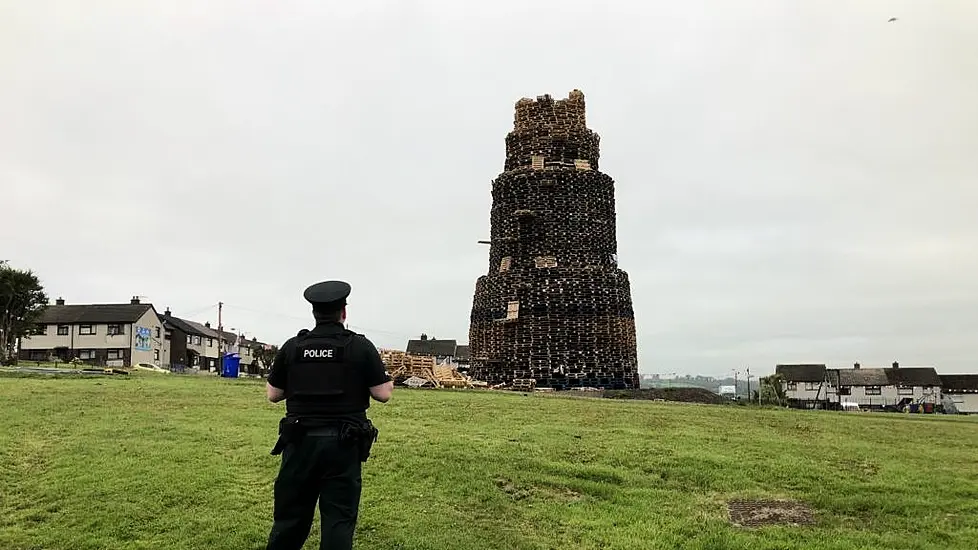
(796,181)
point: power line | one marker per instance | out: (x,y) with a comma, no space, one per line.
(306,320)
(259,312)
(199,311)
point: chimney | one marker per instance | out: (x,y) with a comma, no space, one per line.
(855,366)
(166,314)
(424,337)
(134,300)
(896,365)
(207,324)
(59,302)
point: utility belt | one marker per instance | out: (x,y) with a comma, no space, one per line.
(292,430)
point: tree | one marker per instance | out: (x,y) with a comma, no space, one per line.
(264,357)
(772,389)
(22,300)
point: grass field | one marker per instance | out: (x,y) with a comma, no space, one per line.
(174,462)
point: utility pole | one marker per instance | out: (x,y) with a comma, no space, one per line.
(736,391)
(220,339)
(748,385)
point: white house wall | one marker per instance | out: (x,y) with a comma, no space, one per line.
(965,402)
(889,395)
(147,339)
(100,340)
(145,346)
(803,394)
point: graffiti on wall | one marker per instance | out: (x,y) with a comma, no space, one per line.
(142,339)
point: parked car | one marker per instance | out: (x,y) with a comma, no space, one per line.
(150,367)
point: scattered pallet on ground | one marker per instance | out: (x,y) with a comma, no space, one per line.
(423,371)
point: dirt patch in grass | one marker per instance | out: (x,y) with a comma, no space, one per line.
(542,492)
(761,513)
(860,467)
(685,395)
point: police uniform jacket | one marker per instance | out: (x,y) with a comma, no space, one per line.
(327,373)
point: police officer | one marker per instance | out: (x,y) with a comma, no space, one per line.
(326,376)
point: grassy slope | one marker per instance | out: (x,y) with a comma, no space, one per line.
(182,462)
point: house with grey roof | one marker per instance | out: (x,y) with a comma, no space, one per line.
(237,343)
(444,351)
(199,345)
(806,385)
(882,387)
(960,392)
(189,344)
(99,334)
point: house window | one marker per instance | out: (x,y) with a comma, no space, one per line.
(86,330)
(114,354)
(156,355)
(210,342)
(905,390)
(197,340)
(505,264)
(874,390)
(845,390)
(86,354)
(157,332)
(582,164)
(40,330)
(38,355)
(190,339)
(792,386)
(62,330)
(116,329)
(536,162)
(812,386)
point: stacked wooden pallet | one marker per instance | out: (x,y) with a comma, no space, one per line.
(554,306)
(525,384)
(449,377)
(402,366)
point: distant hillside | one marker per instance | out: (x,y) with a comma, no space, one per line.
(705,382)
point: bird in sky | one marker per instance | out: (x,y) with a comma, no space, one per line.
(892,19)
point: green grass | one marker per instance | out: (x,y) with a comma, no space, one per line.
(174,462)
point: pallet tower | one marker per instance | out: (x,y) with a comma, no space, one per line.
(554,307)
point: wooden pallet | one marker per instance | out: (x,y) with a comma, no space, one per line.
(402,365)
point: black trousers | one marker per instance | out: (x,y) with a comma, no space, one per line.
(318,468)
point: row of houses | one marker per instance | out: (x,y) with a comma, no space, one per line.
(129,334)
(817,386)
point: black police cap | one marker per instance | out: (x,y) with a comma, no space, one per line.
(327,295)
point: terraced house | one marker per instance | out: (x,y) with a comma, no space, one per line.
(960,392)
(189,344)
(237,343)
(444,351)
(880,387)
(101,334)
(815,386)
(807,385)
